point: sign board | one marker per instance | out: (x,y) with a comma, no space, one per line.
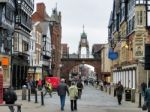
(138,48)
(53,80)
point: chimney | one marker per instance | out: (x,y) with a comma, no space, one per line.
(40,9)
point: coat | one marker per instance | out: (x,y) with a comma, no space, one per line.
(73,91)
(62,89)
(10,96)
(147,98)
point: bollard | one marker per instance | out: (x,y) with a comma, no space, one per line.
(139,100)
(42,98)
(29,94)
(109,90)
(36,97)
(24,92)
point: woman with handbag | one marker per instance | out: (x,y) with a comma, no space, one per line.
(73,93)
(147,99)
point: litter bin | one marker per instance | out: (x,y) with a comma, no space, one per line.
(24,92)
(127,95)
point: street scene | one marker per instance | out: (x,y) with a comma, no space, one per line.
(74,56)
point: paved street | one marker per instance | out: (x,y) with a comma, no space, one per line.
(92,100)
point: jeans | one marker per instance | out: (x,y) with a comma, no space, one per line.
(50,93)
(62,101)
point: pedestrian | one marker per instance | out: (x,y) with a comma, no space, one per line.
(80,87)
(10,97)
(48,89)
(62,90)
(73,93)
(39,84)
(119,92)
(147,98)
(143,88)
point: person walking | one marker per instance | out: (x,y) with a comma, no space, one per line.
(80,87)
(143,88)
(39,84)
(62,90)
(73,93)
(10,97)
(147,98)
(48,89)
(119,92)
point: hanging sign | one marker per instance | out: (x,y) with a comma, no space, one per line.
(112,55)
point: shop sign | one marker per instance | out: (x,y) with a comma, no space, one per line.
(138,48)
(5,62)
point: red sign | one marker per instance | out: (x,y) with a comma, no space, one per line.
(53,80)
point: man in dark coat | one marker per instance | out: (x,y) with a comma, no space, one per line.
(147,99)
(62,90)
(119,92)
(80,87)
(143,88)
(10,97)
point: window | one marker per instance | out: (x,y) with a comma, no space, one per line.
(9,15)
(140,18)
(25,46)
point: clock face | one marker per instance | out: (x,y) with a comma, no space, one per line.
(83,40)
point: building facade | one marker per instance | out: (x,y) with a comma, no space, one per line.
(35,69)
(105,64)
(41,16)
(56,31)
(7,22)
(127,36)
(21,40)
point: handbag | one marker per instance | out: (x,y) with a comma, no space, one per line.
(144,107)
(76,97)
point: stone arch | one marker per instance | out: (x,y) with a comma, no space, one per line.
(69,63)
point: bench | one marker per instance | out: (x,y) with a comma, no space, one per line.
(17,105)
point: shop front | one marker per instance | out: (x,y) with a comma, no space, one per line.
(35,73)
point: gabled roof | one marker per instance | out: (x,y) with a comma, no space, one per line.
(96,48)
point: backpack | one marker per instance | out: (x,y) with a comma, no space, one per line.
(10,97)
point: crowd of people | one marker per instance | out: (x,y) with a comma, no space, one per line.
(74,91)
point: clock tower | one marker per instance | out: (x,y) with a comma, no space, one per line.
(83,43)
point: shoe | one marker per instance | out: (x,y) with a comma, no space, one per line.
(75,109)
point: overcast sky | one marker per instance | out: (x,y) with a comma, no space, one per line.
(94,14)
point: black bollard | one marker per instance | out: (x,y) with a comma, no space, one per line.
(139,100)
(36,97)
(42,98)
(29,94)
(109,90)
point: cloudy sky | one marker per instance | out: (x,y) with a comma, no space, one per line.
(94,14)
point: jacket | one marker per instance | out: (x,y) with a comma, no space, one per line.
(147,96)
(62,89)
(10,96)
(73,91)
